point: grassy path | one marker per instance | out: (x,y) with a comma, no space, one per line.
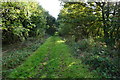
(52,60)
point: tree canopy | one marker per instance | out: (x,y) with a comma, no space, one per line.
(96,19)
(23,19)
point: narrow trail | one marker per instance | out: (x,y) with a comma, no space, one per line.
(52,60)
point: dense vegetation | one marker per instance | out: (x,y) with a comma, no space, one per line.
(93,31)
(89,45)
(25,26)
(21,20)
(17,54)
(98,20)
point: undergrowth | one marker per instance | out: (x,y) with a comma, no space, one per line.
(15,57)
(98,56)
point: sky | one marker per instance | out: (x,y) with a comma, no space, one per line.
(52,6)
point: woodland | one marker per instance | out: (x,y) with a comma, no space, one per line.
(83,42)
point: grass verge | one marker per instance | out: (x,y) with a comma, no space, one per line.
(15,54)
(52,60)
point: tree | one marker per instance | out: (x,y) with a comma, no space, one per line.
(96,19)
(51,24)
(110,22)
(77,19)
(21,20)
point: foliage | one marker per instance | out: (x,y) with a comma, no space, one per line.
(79,22)
(78,19)
(96,19)
(22,19)
(98,56)
(92,30)
(51,24)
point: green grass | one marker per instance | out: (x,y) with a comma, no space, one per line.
(52,60)
(16,54)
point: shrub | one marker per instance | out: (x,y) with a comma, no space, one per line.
(98,56)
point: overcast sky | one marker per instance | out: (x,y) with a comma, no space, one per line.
(53,6)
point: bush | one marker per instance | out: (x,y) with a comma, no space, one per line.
(98,56)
